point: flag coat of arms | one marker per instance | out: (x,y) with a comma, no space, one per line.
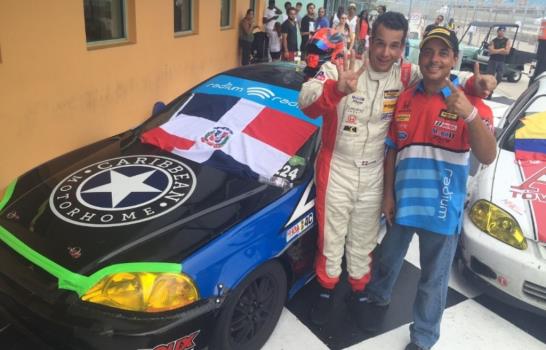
(232,133)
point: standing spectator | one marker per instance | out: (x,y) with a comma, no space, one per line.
(437,23)
(471,32)
(431,133)
(362,32)
(381,9)
(451,24)
(498,49)
(299,5)
(287,6)
(290,36)
(343,28)
(246,36)
(322,20)
(352,18)
(307,27)
(271,14)
(336,17)
(275,42)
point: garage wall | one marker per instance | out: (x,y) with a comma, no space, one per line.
(56,94)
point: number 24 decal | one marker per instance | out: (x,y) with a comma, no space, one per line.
(287,171)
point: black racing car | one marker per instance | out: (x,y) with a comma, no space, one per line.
(187,232)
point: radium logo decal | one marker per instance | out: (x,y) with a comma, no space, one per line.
(122,191)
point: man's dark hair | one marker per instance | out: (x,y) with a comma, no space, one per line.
(249,11)
(383,7)
(391,20)
(309,5)
(299,4)
(287,4)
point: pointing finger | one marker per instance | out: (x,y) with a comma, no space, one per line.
(477,73)
(452,87)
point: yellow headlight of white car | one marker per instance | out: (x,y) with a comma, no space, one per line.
(497,223)
(143,291)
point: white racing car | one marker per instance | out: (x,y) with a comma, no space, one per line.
(503,241)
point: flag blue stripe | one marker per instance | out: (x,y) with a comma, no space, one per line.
(276,97)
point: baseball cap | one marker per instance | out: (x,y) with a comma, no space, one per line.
(353,5)
(503,28)
(447,36)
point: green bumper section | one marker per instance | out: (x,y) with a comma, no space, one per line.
(67,279)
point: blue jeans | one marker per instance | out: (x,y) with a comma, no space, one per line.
(436,253)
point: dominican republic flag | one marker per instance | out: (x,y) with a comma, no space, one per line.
(530,143)
(232,133)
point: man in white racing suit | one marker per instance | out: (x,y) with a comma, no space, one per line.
(357,103)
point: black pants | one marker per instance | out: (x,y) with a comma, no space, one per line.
(246,46)
(496,68)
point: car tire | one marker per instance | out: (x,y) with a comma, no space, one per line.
(252,310)
(514,77)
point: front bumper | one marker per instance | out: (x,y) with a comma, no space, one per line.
(517,273)
(77,325)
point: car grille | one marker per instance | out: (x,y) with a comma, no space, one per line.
(535,291)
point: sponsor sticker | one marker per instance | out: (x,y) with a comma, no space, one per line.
(351,119)
(122,191)
(391,94)
(445,125)
(389,106)
(386,116)
(403,117)
(443,134)
(301,226)
(357,99)
(533,188)
(448,115)
(320,76)
(349,128)
(185,343)
(402,135)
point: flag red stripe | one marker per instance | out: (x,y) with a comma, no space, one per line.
(280,130)
(162,139)
(539,207)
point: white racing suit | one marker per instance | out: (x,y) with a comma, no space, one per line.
(349,166)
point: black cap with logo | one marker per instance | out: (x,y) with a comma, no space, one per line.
(447,36)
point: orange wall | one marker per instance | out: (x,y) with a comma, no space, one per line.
(57,95)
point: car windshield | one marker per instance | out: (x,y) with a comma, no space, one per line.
(527,136)
(248,128)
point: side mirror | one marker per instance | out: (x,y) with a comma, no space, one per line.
(159,106)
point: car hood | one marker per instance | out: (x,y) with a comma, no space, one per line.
(120,201)
(519,187)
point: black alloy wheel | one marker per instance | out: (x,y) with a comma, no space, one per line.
(252,311)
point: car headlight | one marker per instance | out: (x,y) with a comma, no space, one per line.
(497,223)
(143,291)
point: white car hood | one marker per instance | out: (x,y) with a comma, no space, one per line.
(519,187)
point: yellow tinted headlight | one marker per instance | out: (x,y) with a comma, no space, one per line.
(497,223)
(143,291)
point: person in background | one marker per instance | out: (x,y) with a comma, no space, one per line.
(352,18)
(289,31)
(298,6)
(271,14)
(437,23)
(498,49)
(275,42)
(435,125)
(381,9)
(246,27)
(451,24)
(322,20)
(362,33)
(307,27)
(336,17)
(343,28)
(287,6)
(471,31)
